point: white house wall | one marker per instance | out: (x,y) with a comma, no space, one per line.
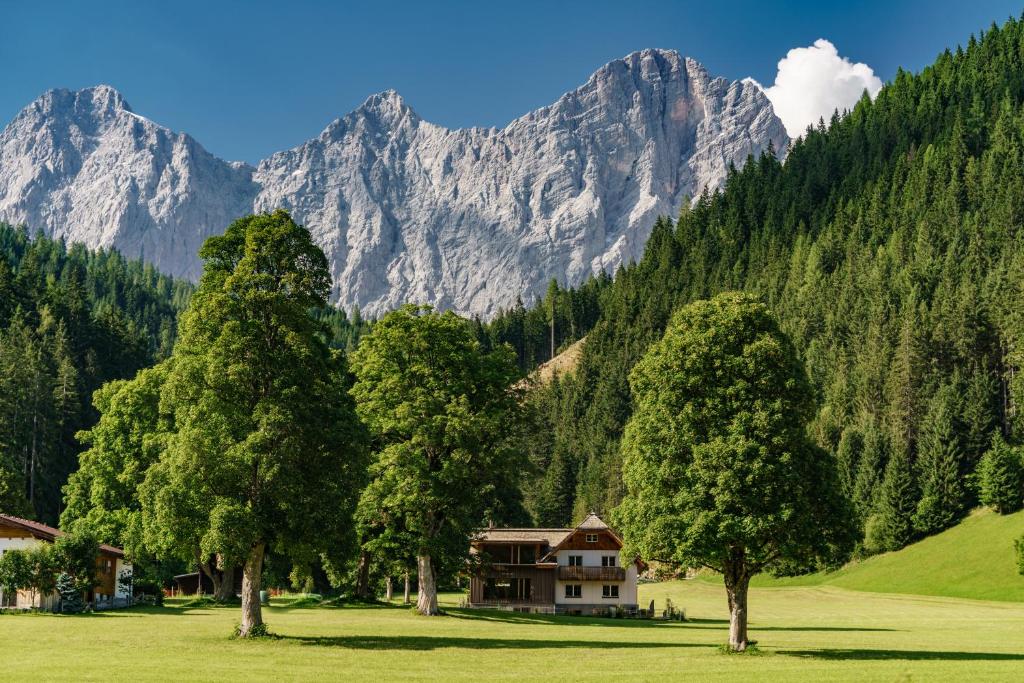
(593,591)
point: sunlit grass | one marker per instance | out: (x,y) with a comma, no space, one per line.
(803,633)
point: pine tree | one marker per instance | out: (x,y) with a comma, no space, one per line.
(848,454)
(70,594)
(893,523)
(939,464)
(1001,477)
(870,469)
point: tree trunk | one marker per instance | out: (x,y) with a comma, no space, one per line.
(226,590)
(426,602)
(406,600)
(210,570)
(252,611)
(737,580)
(388,588)
(363,576)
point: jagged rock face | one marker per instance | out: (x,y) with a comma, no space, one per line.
(82,166)
(406,210)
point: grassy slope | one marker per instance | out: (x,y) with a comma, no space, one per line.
(804,634)
(561,364)
(972,560)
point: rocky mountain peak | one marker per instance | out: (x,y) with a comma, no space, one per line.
(95,104)
(406,211)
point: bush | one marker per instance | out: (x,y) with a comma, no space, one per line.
(152,591)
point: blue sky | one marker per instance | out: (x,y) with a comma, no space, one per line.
(250,78)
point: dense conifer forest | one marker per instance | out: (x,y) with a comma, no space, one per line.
(70,320)
(889,243)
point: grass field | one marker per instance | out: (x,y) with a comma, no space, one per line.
(804,633)
(903,616)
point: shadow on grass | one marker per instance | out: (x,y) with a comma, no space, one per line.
(555,620)
(839,654)
(564,620)
(439,642)
(713,624)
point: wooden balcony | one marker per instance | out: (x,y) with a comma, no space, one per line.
(591,573)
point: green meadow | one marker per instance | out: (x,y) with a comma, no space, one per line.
(803,633)
(974,559)
(913,615)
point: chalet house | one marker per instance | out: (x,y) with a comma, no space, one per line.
(18,534)
(564,571)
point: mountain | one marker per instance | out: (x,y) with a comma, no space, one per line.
(406,210)
(84,167)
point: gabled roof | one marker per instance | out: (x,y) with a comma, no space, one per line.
(48,533)
(590,523)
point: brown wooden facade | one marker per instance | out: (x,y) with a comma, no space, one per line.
(606,540)
(502,585)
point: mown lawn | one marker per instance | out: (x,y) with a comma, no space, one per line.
(803,633)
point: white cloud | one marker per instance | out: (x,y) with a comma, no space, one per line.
(814,81)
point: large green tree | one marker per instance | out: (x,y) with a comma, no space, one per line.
(718,466)
(443,414)
(266,448)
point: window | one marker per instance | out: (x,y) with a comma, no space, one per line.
(591,538)
(609,591)
(575,560)
(573,590)
(608,561)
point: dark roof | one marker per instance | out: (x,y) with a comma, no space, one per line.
(49,533)
(548,536)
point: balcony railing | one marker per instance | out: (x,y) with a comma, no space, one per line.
(591,573)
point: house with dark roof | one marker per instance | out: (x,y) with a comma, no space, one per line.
(19,534)
(577,570)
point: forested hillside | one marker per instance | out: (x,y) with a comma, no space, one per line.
(890,245)
(70,320)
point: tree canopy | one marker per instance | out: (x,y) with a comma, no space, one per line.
(442,413)
(718,466)
(265,448)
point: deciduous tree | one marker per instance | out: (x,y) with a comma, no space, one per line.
(442,413)
(719,470)
(266,447)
